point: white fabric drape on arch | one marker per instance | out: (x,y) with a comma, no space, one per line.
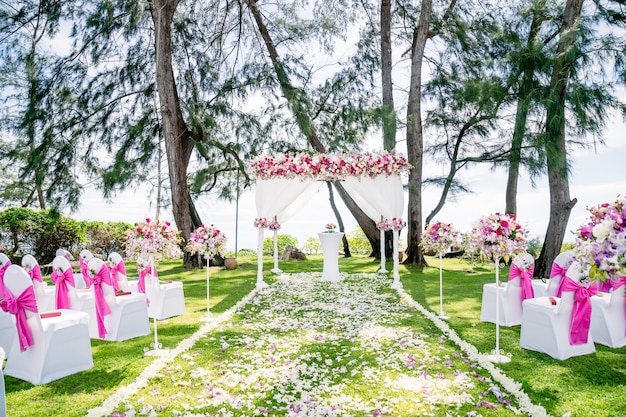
(380,197)
(279,198)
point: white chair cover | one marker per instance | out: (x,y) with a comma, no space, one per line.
(546,326)
(118,271)
(509,297)
(164,299)
(608,317)
(43,292)
(129,311)
(7,327)
(79,299)
(61,344)
(559,266)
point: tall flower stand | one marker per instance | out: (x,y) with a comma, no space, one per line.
(207,318)
(497,356)
(330,249)
(157,347)
(441,313)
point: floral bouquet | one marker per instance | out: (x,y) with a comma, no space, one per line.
(151,239)
(207,240)
(330,227)
(393,224)
(498,236)
(601,243)
(439,237)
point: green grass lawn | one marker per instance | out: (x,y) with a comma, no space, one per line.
(590,385)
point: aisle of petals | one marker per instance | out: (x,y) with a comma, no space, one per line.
(309,348)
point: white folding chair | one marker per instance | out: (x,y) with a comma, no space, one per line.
(43,292)
(509,296)
(128,316)
(546,324)
(77,299)
(608,318)
(165,299)
(118,271)
(60,339)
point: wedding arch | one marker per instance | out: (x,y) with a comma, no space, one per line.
(285,183)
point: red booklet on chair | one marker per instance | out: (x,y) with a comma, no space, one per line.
(117,294)
(50,314)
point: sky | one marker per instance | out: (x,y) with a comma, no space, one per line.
(597,176)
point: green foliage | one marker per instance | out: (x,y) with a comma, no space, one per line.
(312,246)
(40,233)
(283,242)
(358,242)
(534,246)
(104,238)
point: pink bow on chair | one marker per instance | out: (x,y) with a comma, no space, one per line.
(119,267)
(141,284)
(35,273)
(18,306)
(85,271)
(61,280)
(581,313)
(525,276)
(3,268)
(557,270)
(102,307)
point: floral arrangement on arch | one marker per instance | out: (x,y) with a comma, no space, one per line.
(498,235)
(393,224)
(207,240)
(439,237)
(153,239)
(265,223)
(328,167)
(601,243)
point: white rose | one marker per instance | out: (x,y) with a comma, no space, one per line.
(600,232)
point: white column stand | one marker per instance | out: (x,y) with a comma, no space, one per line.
(397,285)
(383,260)
(497,357)
(259,253)
(276,269)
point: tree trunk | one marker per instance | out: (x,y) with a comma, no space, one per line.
(414,137)
(333,206)
(388,110)
(178,142)
(523,105)
(297,101)
(556,153)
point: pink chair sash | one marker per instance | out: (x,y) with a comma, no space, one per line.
(605,286)
(61,280)
(85,271)
(581,313)
(557,270)
(141,284)
(103,276)
(115,269)
(35,273)
(525,277)
(18,306)
(3,268)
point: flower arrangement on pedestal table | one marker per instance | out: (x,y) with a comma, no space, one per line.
(601,244)
(494,237)
(439,237)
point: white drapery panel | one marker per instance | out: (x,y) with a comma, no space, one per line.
(380,198)
(280,198)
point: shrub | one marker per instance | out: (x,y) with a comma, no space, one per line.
(283,242)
